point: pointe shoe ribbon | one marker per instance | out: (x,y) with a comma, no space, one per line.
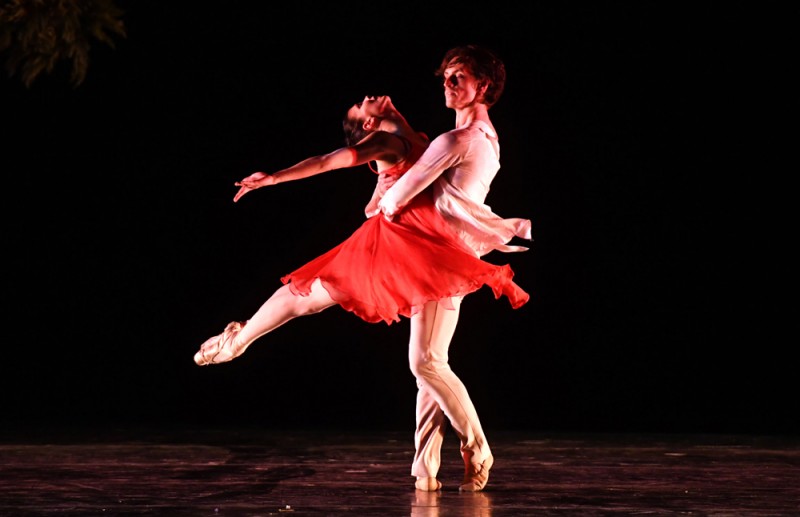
(220,349)
(476,480)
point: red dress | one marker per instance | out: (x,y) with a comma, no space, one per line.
(387,269)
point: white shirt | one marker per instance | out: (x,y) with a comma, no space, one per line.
(461,164)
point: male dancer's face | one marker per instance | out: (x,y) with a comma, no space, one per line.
(460,87)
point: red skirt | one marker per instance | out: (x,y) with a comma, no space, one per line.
(385,269)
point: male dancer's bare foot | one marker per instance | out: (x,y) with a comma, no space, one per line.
(475,479)
(428,484)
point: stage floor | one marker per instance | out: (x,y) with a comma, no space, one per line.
(238,472)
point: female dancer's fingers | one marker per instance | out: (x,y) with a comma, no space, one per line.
(242,191)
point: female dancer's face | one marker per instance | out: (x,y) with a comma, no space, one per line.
(371,106)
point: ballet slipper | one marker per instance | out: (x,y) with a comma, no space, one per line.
(428,484)
(475,478)
(220,348)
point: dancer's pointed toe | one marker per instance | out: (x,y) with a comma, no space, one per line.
(221,348)
(208,350)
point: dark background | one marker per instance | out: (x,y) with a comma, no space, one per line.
(630,137)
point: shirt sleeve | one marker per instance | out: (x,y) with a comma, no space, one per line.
(444,152)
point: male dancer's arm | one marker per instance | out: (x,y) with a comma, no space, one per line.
(444,152)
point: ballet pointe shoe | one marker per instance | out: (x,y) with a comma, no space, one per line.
(220,348)
(428,484)
(475,479)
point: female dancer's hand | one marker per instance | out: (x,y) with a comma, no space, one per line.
(252,182)
(385,181)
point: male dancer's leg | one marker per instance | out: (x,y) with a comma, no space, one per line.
(428,326)
(441,393)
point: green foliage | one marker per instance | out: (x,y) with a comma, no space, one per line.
(37,34)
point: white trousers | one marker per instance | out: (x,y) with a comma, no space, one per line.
(441,396)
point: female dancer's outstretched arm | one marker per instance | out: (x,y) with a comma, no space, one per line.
(382,136)
(380,146)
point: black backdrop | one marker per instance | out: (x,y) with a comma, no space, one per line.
(627,134)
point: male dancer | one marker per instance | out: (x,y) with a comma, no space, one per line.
(460,164)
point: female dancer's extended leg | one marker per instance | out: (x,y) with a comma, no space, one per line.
(280,308)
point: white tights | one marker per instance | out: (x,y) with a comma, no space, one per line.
(282,307)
